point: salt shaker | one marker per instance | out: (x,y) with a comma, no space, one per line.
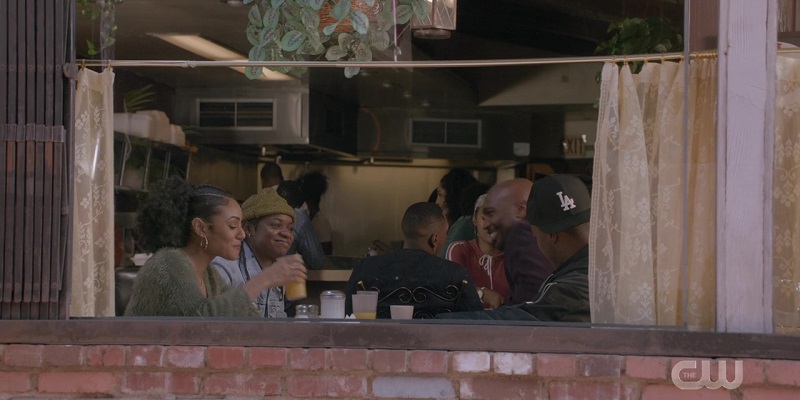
(302,311)
(332,304)
(313,311)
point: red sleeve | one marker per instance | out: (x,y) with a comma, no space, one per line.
(457,252)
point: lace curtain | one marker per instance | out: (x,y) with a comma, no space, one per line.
(786,211)
(92,290)
(635,270)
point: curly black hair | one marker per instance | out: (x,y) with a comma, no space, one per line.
(470,195)
(313,185)
(453,184)
(165,216)
(290,191)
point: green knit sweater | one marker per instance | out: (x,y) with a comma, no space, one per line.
(167,286)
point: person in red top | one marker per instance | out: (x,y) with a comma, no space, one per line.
(483,261)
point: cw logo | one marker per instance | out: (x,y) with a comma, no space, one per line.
(705,376)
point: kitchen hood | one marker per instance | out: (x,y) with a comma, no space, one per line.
(288,120)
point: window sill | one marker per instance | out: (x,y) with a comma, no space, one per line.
(410,335)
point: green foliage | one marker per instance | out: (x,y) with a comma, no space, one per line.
(136,99)
(94,10)
(641,36)
(283,30)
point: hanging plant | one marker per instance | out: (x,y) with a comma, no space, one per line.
(302,30)
(104,10)
(641,36)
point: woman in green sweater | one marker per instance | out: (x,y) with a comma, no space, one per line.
(187,226)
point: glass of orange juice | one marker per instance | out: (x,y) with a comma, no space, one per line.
(296,291)
(364,306)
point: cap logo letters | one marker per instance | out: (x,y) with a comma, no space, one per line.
(566,203)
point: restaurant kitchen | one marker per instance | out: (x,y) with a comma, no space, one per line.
(383,138)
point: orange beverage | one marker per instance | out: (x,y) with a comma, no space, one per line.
(296,291)
(365,315)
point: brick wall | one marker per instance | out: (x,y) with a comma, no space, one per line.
(193,371)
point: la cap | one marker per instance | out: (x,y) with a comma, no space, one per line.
(558,202)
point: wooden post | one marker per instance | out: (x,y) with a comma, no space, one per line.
(746,140)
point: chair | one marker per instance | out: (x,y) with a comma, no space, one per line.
(427,301)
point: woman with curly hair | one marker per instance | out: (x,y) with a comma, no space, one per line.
(448,194)
(449,197)
(187,226)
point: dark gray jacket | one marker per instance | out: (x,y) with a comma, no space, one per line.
(564,296)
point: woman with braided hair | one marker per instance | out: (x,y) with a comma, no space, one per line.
(187,226)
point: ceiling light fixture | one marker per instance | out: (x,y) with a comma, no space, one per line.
(213,51)
(440,21)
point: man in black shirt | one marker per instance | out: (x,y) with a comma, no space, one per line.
(414,275)
(558,210)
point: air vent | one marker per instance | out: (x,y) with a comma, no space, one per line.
(237,114)
(464,133)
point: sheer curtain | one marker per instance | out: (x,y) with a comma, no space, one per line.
(636,273)
(786,211)
(92,290)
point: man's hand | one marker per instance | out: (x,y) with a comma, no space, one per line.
(491,299)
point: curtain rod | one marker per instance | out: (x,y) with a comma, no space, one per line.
(394,64)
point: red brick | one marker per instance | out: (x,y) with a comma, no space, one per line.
(501,388)
(663,392)
(106,356)
(555,365)
(145,356)
(327,386)
(14,382)
(513,363)
(783,372)
(348,359)
(185,356)
(754,372)
(267,357)
(597,365)
(428,361)
(225,357)
(242,384)
(310,359)
(305,386)
(647,367)
(145,382)
(62,356)
(592,390)
(23,355)
(77,382)
(346,386)
(770,394)
(470,361)
(181,383)
(389,360)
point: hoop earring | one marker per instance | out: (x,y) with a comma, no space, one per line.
(204,242)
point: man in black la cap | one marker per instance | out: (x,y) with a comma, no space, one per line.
(558,210)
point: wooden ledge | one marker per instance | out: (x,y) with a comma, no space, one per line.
(409,335)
